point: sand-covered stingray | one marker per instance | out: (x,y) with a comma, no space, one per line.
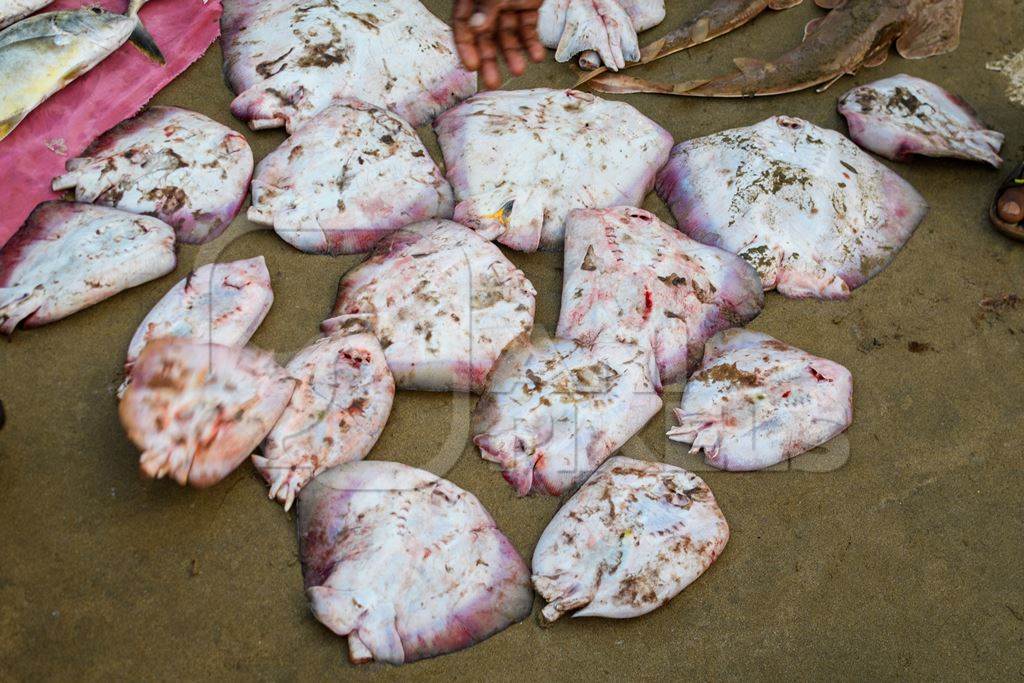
(288,59)
(347,177)
(197,410)
(854,34)
(633,536)
(756,402)
(813,213)
(180,166)
(904,116)
(221,303)
(405,564)
(554,409)
(336,414)
(70,256)
(521,160)
(627,272)
(442,300)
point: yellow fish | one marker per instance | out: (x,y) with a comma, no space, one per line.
(50,50)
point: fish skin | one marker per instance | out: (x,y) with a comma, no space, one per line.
(721,17)
(903,116)
(443,301)
(180,166)
(197,410)
(347,177)
(626,270)
(220,303)
(13,11)
(632,538)
(288,59)
(756,402)
(336,414)
(521,160)
(554,409)
(405,564)
(69,256)
(812,212)
(852,35)
(50,50)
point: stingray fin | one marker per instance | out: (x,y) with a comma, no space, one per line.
(829,4)
(749,66)
(877,58)
(829,83)
(933,30)
(700,30)
(812,26)
(622,84)
(783,4)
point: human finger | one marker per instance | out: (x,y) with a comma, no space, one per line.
(511,48)
(529,38)
(489,72)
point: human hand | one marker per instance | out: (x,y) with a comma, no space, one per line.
(484,26)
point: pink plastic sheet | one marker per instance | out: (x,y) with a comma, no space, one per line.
(63,126)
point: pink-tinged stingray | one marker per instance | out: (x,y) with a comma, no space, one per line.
(521,160)
(70,256)
(554,410)
(347,177)
(405,564)
(288,59)
(902,116)
(854,34)
(442,300)
(635,535)
(335,415)
(11,11)
(717,19)
(757,402)
(197,410)
(598,31)
(626,270)
(219,303)
(179,166)
(813,213)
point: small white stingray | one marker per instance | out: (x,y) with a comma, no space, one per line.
(756,402)
(635,535)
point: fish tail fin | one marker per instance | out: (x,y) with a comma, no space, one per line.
(140,37)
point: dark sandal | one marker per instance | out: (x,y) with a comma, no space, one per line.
(1011,230)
